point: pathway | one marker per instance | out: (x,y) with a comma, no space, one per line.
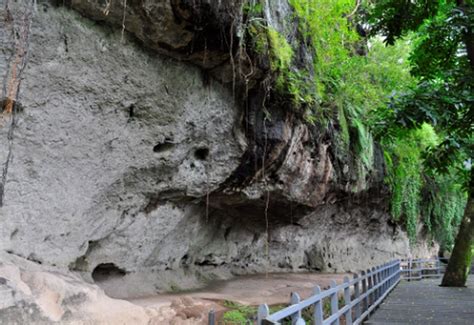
(426,303)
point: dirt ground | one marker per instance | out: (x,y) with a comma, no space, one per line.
(253,290)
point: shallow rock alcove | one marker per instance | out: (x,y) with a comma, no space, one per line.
(107,271)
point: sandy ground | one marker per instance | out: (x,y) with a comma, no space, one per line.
(271,289)
(251,289)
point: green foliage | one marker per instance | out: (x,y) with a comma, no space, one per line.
(352,84)
(444,208)
(267,41)
(322,22)
(253,9)
(281,56)
(394,18)
(366,83)
(234,317)
(417,191)
(238,313)
(442,97)
(242,314)
(405,167)
(437,44)
(423,77)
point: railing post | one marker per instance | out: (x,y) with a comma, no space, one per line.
(438,267)
(365,305)
(334,303)
(374,283)
(417,265)
(263,312)
(357,295)
(390,273)
(212,317)
(369,287)
(318,308)
(384,278)
(409,269)
(399,271)
(379,281)
(294,300)
(387,275)
(390,270)
(347,301)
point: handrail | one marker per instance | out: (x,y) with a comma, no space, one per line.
(361,295)
(421,268)
(369,288)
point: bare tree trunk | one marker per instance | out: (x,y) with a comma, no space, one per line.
(460,261)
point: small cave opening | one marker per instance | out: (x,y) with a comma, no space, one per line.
(107,271)
(201,153)
(163,146)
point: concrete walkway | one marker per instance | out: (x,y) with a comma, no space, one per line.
(425,302)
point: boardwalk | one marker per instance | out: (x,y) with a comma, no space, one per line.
(424,302)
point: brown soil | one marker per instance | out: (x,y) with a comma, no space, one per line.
(271,289)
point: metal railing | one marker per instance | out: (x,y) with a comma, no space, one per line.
(417,269)
(359,296)
(369,289)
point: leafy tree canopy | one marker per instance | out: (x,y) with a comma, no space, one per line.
(441,59)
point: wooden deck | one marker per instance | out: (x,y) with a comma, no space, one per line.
(425,302)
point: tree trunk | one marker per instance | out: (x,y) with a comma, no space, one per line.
(460,261)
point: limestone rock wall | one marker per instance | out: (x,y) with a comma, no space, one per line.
(135,163)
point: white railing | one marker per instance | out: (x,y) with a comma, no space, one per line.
(361,296)
(417,269)
(353,300)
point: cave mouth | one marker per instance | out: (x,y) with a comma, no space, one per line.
(107,271)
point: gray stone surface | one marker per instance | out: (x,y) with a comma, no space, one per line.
(83,167)
(117,150)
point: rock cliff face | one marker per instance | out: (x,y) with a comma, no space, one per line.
(154,157)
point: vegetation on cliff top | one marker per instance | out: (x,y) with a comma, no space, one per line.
(355,77)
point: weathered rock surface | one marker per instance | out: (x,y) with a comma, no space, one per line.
(31,294)
(142,173)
